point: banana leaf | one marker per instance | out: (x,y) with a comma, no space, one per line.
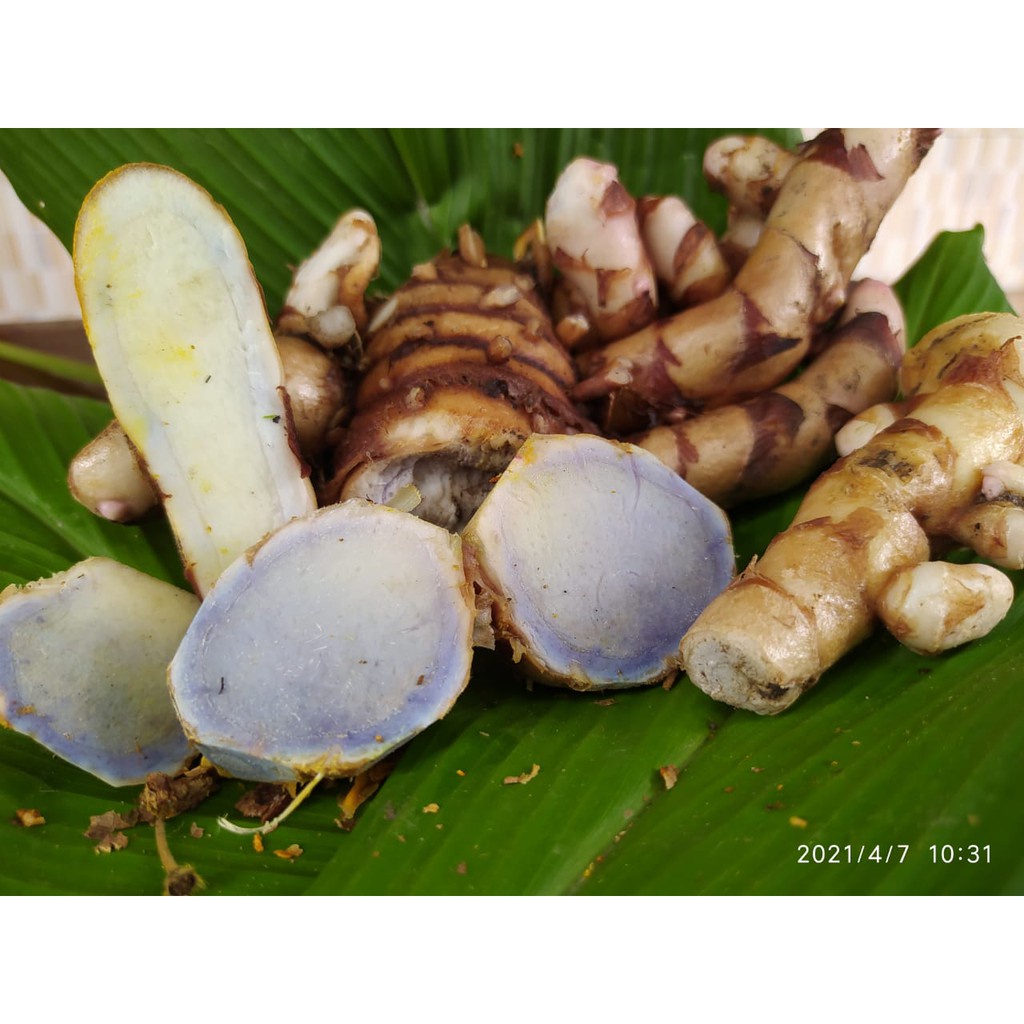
(896,774)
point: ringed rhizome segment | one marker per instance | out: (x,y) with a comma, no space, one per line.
(755,334)
(873,517)
(462,366)
(774,440)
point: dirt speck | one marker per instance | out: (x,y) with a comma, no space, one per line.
(523,779)
(28,817)
(265,801)
(105,830)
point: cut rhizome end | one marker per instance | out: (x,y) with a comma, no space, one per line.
(596,558)
(83,666)
(339,638)
(176,321)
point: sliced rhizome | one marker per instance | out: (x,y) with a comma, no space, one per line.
(596,558)
(180,334)
(83,667)
(345,634)
(321,650)
(327,639)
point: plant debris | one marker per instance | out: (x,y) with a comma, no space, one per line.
(364,785)
(265,801)
(431,809)
(179,879)
(182,881)
(162,796)
(165,796)
(522,780)
(290,852)
(28,817)
(105,830)
(669,775)
(268,826)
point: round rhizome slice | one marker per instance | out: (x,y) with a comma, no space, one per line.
(336,640)
(596,558)
(83,668)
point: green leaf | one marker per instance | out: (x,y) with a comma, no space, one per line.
(284,188)
(55,366)
(950,279)
(43,528)
(888,750)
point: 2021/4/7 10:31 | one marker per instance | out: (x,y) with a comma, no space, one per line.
(820,853)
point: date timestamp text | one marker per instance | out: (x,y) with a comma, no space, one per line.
(971,854)
(891,853)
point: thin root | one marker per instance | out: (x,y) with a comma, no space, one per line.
(268,826)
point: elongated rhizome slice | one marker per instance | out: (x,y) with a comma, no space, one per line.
(339,638)
(177,324)
(463,366)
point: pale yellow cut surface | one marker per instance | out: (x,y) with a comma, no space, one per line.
(180,334)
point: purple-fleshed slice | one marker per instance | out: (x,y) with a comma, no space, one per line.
(83,668)
(336,640)
(597,558)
